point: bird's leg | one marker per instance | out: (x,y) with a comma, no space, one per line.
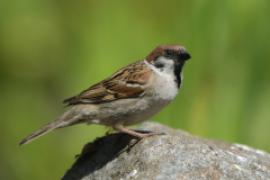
(135,133)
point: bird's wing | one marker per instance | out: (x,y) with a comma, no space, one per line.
(128,82)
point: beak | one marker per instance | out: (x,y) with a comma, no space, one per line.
(184,55)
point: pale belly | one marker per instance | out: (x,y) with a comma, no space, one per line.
(129,111)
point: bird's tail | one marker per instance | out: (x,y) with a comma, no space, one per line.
(40,132)
(67,119)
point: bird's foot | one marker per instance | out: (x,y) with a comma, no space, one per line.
(137,133)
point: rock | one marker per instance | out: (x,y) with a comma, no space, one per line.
(176,155)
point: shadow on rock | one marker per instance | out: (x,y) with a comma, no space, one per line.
(97,154)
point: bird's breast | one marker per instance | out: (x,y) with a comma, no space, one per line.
(165,87)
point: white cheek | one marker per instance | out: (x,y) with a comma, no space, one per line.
(168,64)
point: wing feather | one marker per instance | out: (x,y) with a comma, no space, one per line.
(128,82)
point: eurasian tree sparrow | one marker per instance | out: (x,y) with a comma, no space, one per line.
(131,95)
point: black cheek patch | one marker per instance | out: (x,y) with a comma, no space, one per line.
(159,65)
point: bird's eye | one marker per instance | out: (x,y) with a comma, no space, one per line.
(168,53)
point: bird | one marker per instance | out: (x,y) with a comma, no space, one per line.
(129,96)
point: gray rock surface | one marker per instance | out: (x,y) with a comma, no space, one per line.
(176,155)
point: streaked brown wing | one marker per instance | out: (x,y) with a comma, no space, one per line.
(126,83)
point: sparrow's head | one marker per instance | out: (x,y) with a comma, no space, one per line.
(175,53)
(169,59)
(165,57)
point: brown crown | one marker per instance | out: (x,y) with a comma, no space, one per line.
(160,50)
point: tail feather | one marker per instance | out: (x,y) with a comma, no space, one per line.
(67,119)
(40,132)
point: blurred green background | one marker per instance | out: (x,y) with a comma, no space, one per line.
(50,50)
